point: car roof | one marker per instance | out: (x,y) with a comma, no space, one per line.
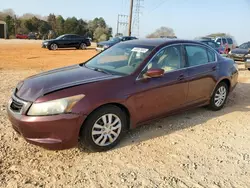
(160,41)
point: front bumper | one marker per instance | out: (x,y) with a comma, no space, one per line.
(50,132)
(99,49)
(237,58)
(45,45)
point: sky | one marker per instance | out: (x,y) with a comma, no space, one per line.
(188,18)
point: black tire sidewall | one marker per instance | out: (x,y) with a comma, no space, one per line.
(80,47)
(212,105)
(86,132)
(51,45)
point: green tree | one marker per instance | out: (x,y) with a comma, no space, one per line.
(28,25)
(100,33)
(44,27)
(60,25)
(52,21)
(70,25)
(10,25)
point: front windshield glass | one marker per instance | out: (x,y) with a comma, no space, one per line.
(244,46)
(121,59)
(115,39)
(60,37)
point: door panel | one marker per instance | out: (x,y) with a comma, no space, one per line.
(158,96)
(202,73)
(202,80)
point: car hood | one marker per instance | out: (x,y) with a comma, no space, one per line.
(38,85)
(51,40)
(109,43)
(239,51)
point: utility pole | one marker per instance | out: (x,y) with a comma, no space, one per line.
(122,21)
(130,17)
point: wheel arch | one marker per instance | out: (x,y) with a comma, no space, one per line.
(119,105)
(226,80)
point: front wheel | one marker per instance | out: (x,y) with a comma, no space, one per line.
(104,128)
(249,69)
(219,97)
(53,46)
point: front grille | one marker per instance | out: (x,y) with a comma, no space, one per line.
(16,106)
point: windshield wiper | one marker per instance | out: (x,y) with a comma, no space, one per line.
(101,70)
(97,69)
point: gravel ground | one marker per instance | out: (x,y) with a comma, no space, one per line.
(199,149)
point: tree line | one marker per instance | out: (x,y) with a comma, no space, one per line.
(56,25)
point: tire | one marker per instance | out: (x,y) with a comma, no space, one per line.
(53,46)
(95,123)
(82,46)
(249,69)
(221,92)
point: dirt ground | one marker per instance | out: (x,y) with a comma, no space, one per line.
(196,149)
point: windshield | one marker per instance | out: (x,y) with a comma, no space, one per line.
(60,37)
(245,46)
(212,44)
(121,59)
(115,39)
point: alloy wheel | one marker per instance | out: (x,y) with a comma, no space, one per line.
(106,129)
(83,46)
(220,96)
(54,46)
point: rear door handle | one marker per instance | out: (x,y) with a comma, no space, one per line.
(181,77)
(214,68)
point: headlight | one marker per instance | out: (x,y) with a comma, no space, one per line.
(45,43)
(106,46)
(54,107)
(248,55)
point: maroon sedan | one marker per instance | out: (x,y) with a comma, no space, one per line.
(118,89)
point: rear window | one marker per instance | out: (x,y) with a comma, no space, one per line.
(230,41)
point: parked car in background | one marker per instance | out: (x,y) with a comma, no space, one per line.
(214,45)
(32,35)
(169,37)
(226,42)
(126,85)
(67,41)
(242,53)
(106,44)
(22,36)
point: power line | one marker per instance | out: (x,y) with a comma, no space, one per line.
(157,6)
(122,23)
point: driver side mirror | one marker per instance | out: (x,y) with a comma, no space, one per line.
(154,73)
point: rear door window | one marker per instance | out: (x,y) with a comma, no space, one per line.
(211,56)
(196,55)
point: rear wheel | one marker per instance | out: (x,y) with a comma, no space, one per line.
(219,97)
(249,69)
(82,46)
(104,128)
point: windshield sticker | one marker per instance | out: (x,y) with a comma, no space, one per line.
(140,50)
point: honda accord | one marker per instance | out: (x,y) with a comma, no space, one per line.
(124,86)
